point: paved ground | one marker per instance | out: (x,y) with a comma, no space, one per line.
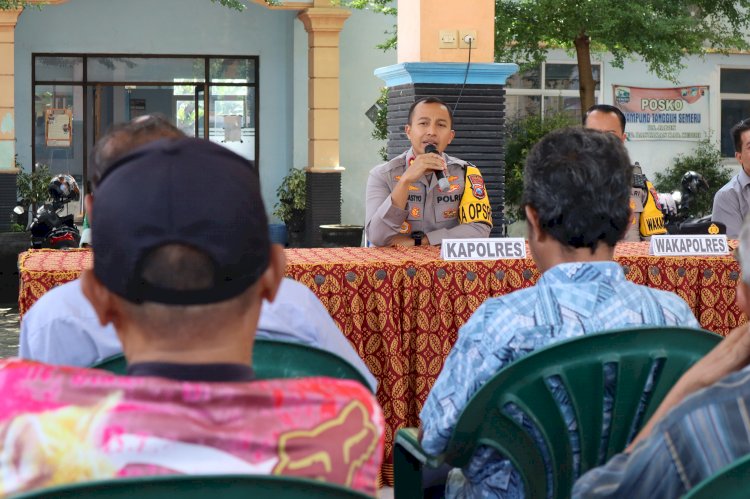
(8,329)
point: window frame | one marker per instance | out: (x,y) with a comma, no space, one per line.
(85,84)
(542,92)
(729,96)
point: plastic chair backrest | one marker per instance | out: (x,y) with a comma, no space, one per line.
(730,482)
(579,364)
(277,359)
(198,487)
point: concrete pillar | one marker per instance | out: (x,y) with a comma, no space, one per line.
(323,25)
(424,28)
(8,20)
(8,171)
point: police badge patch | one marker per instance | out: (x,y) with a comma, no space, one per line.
(477,186)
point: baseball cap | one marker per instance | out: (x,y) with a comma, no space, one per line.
(188,192)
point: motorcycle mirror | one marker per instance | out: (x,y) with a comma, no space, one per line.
(18,210)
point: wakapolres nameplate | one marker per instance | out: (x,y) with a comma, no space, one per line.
(687,245)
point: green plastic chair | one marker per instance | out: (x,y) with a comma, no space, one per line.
(730,482)
(198,487)
(579,364)
(277,359)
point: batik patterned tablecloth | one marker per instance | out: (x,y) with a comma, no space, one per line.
(401,308)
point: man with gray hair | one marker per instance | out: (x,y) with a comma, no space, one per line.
(700,427)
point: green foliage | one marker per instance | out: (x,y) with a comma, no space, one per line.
(659,32)
(292,195)
(380,132)
(14,227)
(232,4)
(706,160)
(12,4)
(32,187)
(521,135)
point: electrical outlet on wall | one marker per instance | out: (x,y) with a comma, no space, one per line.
(465,36)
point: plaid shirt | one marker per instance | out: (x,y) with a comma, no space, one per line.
(569,300)
(706,432)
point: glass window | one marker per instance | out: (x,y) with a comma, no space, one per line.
(732,112)
(518,106)
(118,88)
(735,81)
(735,104)
(49,68)
(58,131)
(232,70)
(232,119)
(530,78)
(559,105)
(145,69)
(565,76)
(548,89)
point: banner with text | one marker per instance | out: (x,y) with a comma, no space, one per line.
(679,113)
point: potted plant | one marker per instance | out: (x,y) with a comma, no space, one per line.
(290,207)
(33,188)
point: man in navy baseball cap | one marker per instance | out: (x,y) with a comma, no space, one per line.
(181,267)
(182,264)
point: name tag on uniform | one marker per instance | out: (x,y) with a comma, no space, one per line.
(689,245)
(483,248)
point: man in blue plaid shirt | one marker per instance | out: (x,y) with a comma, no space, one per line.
(701,426)
(576,199)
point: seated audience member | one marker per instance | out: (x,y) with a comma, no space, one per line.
(732,201)
(183,289)
(405,204)
(576,191)
(699,428)
(62,328)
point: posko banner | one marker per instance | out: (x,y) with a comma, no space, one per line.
(679,113)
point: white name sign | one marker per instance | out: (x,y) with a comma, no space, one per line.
(483,249)
(689,245)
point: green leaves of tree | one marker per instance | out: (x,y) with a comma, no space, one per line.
(661,32)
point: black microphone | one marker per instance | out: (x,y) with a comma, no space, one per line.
(442,181)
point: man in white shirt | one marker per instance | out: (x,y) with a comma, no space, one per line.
(62,327)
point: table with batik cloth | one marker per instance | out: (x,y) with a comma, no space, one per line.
(401,307)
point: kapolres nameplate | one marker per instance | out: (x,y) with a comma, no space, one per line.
(483,248)
(684,245)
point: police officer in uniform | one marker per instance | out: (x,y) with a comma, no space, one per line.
(647,219)
(405,205)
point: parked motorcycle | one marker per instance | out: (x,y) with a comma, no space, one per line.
(676,207)
(49,229)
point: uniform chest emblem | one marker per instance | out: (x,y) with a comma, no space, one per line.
(415,212)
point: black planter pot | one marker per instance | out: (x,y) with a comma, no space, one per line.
(295,229)
(11,244)
(295,239)
(341,236)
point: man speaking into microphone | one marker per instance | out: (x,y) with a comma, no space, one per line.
(423,196)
